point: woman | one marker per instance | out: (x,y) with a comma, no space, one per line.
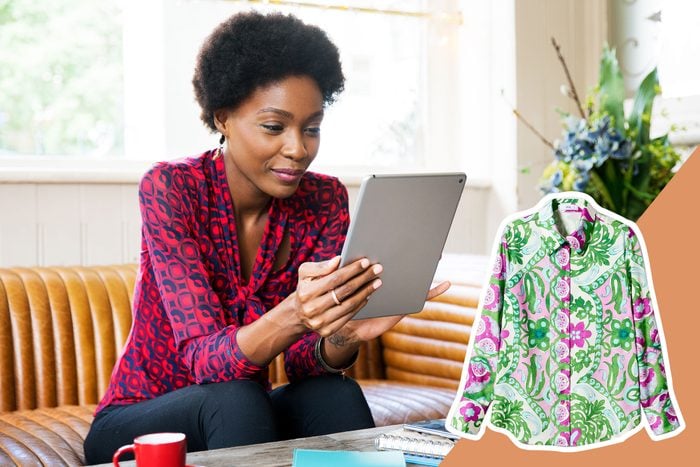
(239,261)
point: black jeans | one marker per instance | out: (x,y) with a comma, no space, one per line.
(235,413)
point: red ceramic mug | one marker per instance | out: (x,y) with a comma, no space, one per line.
(156,450)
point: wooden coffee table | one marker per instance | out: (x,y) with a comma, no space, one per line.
(279,453)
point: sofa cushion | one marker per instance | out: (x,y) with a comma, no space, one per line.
(392,402)
(51,436)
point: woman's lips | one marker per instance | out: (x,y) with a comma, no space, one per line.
(288,175)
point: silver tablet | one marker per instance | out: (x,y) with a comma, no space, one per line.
(402,222)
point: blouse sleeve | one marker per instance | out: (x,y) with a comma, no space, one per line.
(481,365)
(654,390)
(206,344)
(300,359)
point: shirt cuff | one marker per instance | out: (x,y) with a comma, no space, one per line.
(244,367)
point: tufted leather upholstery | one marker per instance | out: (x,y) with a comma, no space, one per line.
(61,330)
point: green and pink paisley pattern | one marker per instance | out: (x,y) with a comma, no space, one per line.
(567,350)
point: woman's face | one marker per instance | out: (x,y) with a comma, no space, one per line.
(272,137)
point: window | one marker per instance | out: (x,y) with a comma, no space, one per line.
(383,119)
(679,70)
(649,34)
(112,80)
(61,89)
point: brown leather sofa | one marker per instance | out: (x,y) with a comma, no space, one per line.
(61,330)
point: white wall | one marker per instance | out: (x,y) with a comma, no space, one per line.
(580,28)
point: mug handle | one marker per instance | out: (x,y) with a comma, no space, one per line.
(120,451)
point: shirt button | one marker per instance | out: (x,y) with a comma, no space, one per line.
(563,257)
(561,381)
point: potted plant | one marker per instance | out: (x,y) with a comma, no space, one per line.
(607,153)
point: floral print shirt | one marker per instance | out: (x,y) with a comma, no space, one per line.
(567,351)
(190,297)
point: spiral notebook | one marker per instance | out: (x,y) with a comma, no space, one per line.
(414,442)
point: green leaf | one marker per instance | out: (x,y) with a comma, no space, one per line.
(605,198)
(616,379)
(612,88)
(531,375)
(640,117)
(612,373)
(617,291)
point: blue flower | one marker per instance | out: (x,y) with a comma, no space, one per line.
(580,184)
(583,165)
(556,178)
(589,144)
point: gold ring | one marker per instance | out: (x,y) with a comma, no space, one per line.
(335,297)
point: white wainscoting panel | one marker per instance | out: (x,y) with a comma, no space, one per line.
(19,231)
(62,224)
(131,225)
(59,224)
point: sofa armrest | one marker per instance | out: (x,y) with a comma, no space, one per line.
(428,348)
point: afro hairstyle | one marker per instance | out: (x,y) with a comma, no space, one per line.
(252,50)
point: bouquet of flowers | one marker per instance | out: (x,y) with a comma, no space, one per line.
(608,154)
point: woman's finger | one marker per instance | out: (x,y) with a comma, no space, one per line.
(335,325)
(350,287)
(310,270)
(439,289)
(323,321)
(352,306)
(320,285)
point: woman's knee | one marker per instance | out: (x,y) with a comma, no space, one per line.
(235,413)
(232,397)
(320,405)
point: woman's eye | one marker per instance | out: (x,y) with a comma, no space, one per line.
(272,127)
(313,131)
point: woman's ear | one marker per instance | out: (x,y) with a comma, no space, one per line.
(221,120)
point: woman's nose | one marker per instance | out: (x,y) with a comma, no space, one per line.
(294,146)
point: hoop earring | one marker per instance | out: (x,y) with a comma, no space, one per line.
(220,150)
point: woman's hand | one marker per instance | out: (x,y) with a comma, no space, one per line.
(312,307)
(327,298)
(338,347)
(368,329)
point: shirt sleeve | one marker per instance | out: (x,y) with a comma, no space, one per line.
(481,365)
(205,343)
(655,392)
(300,359)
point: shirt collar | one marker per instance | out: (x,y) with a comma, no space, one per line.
(580,237)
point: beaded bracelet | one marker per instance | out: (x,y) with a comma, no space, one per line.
(326,366)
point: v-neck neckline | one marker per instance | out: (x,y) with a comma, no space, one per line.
(273,233)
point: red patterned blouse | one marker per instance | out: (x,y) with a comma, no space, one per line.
(190,298)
